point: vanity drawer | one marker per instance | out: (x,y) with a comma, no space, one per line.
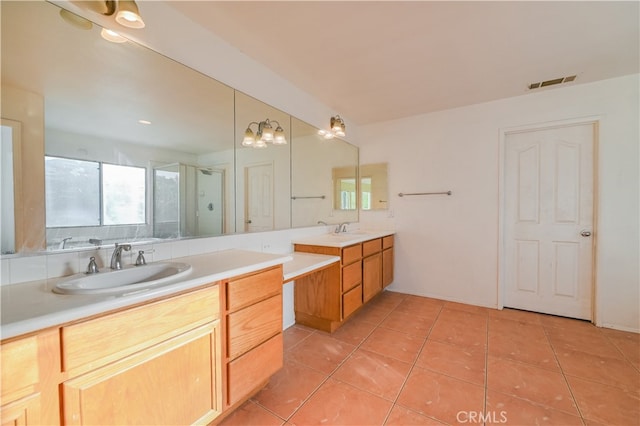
(254,368)
(387,242)
(351,254)
(351,275)
(371,247)
(250,289)
(96,342)
(253,325)
(351,301)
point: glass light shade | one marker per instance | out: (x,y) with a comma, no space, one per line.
(128,14)
(279,138)
(249,138)
(267,132)
(325,134)
(260,143)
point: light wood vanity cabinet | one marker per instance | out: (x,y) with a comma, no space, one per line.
(371,269)
(30,368)
(326,299)
(387,260)
(254,346)
(184,359)
(159,363)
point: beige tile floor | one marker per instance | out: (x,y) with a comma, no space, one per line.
(408,360)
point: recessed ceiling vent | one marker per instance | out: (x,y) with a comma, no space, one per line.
(552,82)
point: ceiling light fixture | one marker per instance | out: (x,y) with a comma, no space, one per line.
(128,14)
(264,135)
(337,128)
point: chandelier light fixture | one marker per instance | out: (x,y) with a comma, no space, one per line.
(265,134)
(336,128)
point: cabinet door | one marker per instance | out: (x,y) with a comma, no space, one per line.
(387,267)
(23,412)
(175,382)
(371,276)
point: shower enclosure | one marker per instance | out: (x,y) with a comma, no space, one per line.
(188,201)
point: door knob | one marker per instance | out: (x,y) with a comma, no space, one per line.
(585,233)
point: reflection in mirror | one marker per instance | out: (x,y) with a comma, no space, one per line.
(188,200)
(345,188)
(263,178)
(323,177)
(10,140)
(373,187)
(117,105)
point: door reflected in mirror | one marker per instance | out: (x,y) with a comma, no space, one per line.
(374,191)
(263,178)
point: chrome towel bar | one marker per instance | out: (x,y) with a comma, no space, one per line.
(299,198)
(402,194)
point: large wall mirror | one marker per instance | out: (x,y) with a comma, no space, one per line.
(374,188)
(324,188)
(263,173)
(120,143)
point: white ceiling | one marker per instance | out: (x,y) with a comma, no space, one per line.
(377,60)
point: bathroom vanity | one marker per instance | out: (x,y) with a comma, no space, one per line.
(326,299)
(187,352)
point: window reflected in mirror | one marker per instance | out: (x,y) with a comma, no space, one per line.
(345,188)
(374,191)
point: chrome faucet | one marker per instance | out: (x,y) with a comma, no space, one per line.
(64,242)
(322,222)
(116,258)
(342,227)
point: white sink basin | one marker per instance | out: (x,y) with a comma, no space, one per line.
(351,234)
(127,280)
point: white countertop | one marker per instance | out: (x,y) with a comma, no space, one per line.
(303,263)
(32,306)
(342,239)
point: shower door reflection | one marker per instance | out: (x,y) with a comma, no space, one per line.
(188,201)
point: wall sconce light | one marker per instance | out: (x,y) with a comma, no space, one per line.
(337,128)
(128,14)
(264,135)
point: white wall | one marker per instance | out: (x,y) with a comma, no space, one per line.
(447,247)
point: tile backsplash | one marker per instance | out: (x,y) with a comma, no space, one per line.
(16,269)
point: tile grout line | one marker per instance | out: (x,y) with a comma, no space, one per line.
(624,355)
(413,365)
(564,376)
(330,375)
(486,369)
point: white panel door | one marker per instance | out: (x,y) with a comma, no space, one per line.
(548,220)
(259,198)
